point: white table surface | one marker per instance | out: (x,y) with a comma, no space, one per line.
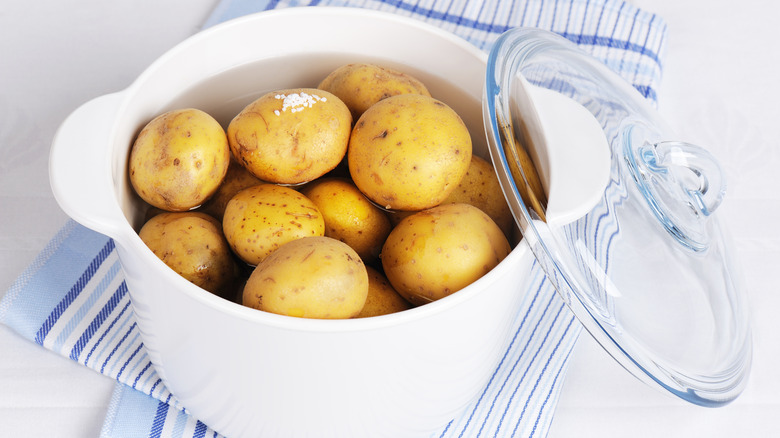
(720,90)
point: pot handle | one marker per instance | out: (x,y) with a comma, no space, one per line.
(80,165)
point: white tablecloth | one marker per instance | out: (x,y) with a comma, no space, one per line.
(720,90)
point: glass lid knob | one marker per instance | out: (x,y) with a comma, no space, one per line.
(681,183)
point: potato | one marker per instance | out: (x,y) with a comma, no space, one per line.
(291,136)
(312,277)
(408,152)
(361,85)
(261,218)
(179,159)
(529,184)
(433,253)
(236,179)
(382,299)
(349,216)
(480,188)
(192,244)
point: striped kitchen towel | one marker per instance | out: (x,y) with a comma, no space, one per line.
(73,299)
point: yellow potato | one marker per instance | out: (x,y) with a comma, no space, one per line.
(312,277)
(179,159)
(529,184)
(291,136)
(349,216)
(192,244)
(261,218)
(382,299)
(236,179)
(361,85)
(480,188)
(433,253)
(409,152)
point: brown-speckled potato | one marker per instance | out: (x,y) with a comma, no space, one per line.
(236,179)
(312,277)
(349,216)
(291,136)
(362,85)
(438,251)
(179,159)
(409,152)
(382,299)
(480,188)
(261,218)
(192,244)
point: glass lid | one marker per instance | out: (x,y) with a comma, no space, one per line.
(620,215)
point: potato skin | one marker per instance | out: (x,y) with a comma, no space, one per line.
(312,277)
(192,244)
(291,136)
(236,179)
(349,216)
(382,299)
(361,85)
(179,159)
(436,252)
(532,192)
(409,152)
(261,218)
(480,188)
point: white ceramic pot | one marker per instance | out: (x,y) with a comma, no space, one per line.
(250,373)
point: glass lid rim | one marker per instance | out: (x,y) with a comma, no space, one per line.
(526,218)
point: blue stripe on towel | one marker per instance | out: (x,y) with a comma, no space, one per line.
(558,374)
(508,404)
(116,334)
(159,420)
(96,295)
(200,430)
(73,292)
(500,365)
(98,321)
(125,307)
(138,376)
(130,359)
(178,425)
(545,367)
(116,347)
(156,383)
